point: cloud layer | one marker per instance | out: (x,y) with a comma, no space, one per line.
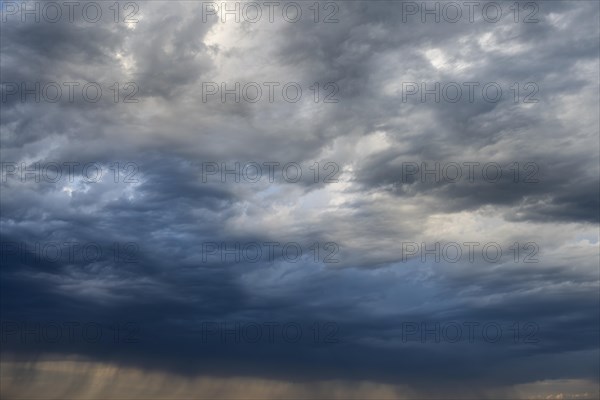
(378,165)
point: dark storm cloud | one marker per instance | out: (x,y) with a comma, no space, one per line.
(370,296)
(540,191)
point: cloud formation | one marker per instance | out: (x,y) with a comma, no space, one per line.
(170,146)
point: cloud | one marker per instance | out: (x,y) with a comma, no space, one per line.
(152,211)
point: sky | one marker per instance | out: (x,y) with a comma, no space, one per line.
(345,199)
